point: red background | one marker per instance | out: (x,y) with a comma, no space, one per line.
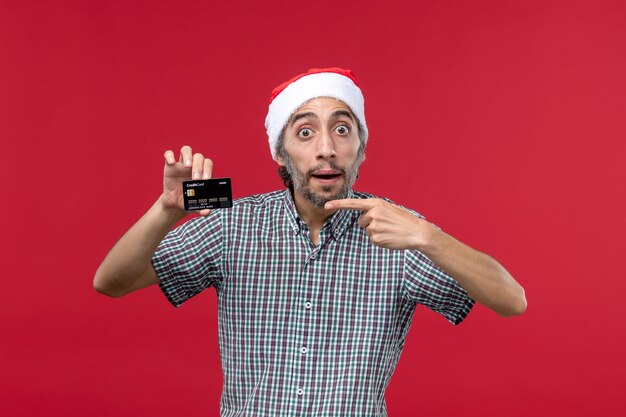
(502,121)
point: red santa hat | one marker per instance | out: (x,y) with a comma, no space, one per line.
(288,97)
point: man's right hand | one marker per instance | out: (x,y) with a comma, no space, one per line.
(189,166)
(128,266)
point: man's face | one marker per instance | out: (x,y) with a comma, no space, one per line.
(321,147)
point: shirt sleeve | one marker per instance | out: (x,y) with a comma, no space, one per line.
(188,260)
(426,283)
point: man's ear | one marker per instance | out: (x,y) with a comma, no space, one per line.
(279,160)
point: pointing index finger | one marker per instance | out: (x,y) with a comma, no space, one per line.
(363,204)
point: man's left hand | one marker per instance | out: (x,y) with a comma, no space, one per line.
(388,225)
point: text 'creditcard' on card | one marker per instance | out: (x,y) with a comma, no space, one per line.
(207,194)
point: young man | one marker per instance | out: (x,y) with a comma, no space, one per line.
(316,284)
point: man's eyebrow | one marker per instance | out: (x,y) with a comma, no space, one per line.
(336,114)
(299,116)
(343,113)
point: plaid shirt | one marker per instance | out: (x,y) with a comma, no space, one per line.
(304,329)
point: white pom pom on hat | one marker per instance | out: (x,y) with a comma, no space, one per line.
(288,97)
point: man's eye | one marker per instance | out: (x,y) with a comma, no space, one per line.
(305,133)
(342,129)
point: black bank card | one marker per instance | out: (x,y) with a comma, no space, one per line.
(207,194)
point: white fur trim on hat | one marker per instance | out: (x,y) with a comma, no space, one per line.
(325,84)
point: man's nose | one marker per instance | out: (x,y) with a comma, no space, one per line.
(325,146)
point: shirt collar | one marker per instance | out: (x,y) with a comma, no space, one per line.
(338,222)
(292,214)
(342,219)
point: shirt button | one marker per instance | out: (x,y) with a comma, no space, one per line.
(304,349)
(299,391)
(308,305)
(314,256)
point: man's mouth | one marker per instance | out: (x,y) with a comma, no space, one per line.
(326,174)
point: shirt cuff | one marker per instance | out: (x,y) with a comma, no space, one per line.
(168,283)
